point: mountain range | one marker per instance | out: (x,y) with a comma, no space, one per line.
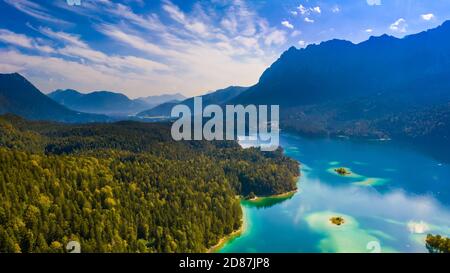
(220,97)
(18,96)
(108,103)
(338,70)
(153,101)
(382,88)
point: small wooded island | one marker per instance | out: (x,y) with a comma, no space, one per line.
(342,171)
(437,244)
(337,220)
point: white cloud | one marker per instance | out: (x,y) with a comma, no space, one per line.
(306,11)
(303,10)
(427,17)
(287,24)
(237,40)
(150,22)
(302,44)
(316,9)
(73,74)
(229,24)
(207,50)
(20,40)
(418,227)
(293,12)
(276,37)
(62,36)
(399,26)
(133,40)
(336,9)
(174,12)
(10,37)
(374,2)
(369,30)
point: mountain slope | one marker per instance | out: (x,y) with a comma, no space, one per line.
(153,101)
(18,96)
(219,97)
(383,88)
(337,70)
(100,102)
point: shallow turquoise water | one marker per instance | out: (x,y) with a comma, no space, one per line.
(394,197)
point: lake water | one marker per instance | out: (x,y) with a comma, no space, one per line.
(394,197)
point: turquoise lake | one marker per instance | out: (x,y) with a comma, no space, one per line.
(394,197)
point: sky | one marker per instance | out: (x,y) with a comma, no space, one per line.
(143,48)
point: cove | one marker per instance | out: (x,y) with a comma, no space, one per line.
(393,198)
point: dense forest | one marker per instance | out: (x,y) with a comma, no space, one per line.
(125,187)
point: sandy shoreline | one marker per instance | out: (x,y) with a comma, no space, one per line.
(244,224)
(231,236)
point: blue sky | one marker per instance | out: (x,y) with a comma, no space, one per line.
(144,48)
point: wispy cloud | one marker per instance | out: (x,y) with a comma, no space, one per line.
(12,38)
(399,26)
(35,10)
(232,40)
(275,38)
(175,50)
(63,36)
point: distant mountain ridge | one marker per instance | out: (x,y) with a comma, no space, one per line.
(382,88)
(18,96)
(337,69)
(220,97)
(153,101)
(98,102)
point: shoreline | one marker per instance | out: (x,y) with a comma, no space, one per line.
(281,195)
(235,234)
(231,236)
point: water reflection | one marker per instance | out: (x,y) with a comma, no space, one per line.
(396,198)
(392,218)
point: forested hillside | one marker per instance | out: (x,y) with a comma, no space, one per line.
(20,97)
(125,187)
